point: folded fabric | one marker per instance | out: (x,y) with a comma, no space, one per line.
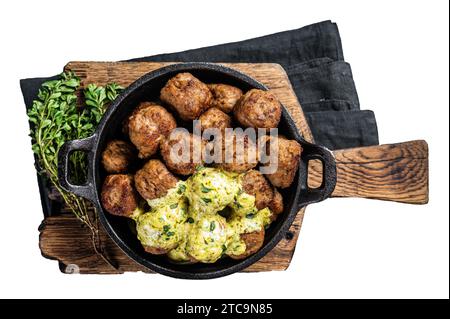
(355,128)
(306,65)
(326,81)
(329,105)
(314,41)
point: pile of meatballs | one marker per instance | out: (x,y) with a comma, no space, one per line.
(140,167)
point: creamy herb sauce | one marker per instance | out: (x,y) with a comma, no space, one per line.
(210,190)
(186,220)
(179,253)
(207,239)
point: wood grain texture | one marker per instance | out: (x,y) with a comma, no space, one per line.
(63,237)
(394,172)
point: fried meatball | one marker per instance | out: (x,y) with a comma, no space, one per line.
(119,196)
(224,96)
(117,156)
(258,109)
(187,95)
(155,250)
(239,153)
(125,123)
(182,152)
(288,160)
(214,118)
(254,183)
(154,180)
(148,125)
(276,205)
(253,242)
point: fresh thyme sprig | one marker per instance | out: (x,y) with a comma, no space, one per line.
(57,118)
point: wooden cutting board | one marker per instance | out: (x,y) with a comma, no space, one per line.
(65,239)
(394,172)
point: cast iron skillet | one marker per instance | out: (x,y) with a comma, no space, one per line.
(147,88)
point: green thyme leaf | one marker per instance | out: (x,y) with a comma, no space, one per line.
(56,118)
(205,189)
(181,189)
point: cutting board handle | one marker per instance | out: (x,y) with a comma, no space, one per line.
(393,172)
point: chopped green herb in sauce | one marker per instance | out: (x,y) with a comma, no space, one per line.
(201,219)
(205,189)
(181,189)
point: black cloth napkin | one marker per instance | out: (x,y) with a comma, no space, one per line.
(327,81)
(319,40)
(353,127)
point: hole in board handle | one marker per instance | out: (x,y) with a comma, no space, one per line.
(315,173)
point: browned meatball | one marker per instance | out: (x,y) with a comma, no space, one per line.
(224,96)
(214,118)
(148,125)
(288,160)
(119,196)
(155,250)
(125,123)
(258,109)
(187,95)
(154,180)
(176,160)
(254,183)
(117,156)
(253,242)
(276,205)
(239,153)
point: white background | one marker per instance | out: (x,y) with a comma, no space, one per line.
(348,247)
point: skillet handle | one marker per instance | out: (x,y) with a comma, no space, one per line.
(393,172)
(312,152)
(86,190)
